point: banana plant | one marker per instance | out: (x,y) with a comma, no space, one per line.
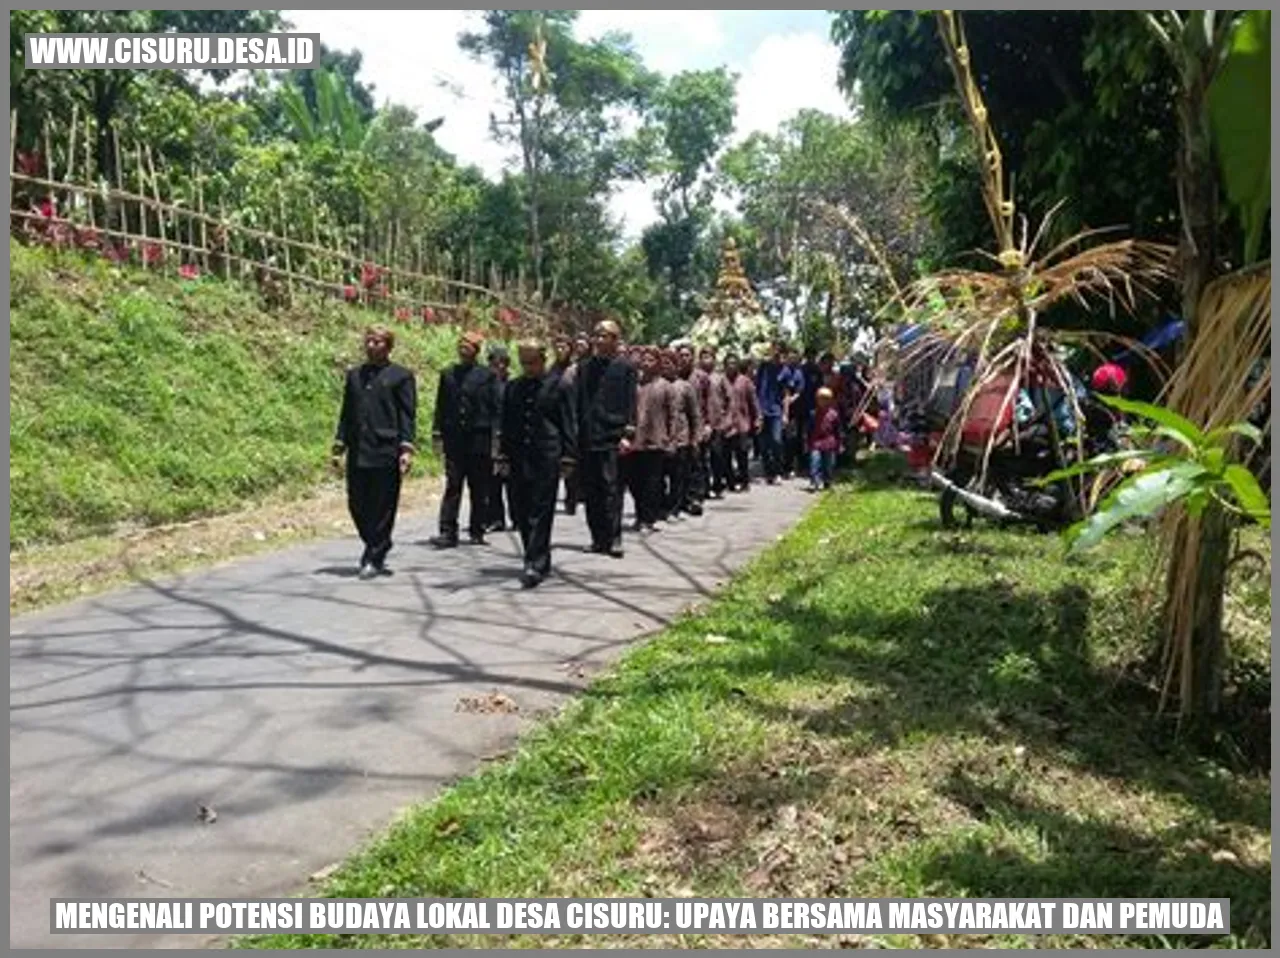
(336,118)
(1181,464)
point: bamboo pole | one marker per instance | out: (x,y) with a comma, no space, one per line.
(13,150)
(155,189)
(204,226)
(123,208)
(288,259)
(89,177)
(142,207)
(71,143)
(224,234)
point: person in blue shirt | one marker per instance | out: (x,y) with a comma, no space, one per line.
(795,420)
(771,391)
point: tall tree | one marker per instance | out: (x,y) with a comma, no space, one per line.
(693,116)
(566,103)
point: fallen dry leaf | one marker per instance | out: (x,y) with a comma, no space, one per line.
(324,873)
(488,704)
(206,814)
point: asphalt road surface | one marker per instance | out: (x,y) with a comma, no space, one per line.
(304,706)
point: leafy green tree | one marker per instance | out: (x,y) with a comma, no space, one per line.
(1083,106)
(106,95)
(566,104)
(693,118)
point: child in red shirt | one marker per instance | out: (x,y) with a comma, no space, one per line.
(824,441)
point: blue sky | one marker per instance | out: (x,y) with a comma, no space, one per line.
(785,60)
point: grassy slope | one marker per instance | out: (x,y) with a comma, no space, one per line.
(898,711)
(138,398)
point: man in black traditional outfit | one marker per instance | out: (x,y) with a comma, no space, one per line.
(466,417)
(607,423)
(539,444)
(565,370)
(376,432)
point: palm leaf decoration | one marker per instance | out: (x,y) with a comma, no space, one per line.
(996,318)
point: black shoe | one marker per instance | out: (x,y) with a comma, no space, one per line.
(367,572)
(476,538)
(615,550)
(595,549)
(695,510)
(444,542)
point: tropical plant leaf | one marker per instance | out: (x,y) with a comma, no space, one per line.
(1138,497)
(1098,463)
(1181,428)
(1246,429)
(1240,115)
(295,108)
(1249,494)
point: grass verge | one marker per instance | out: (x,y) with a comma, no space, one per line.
(885,709)
(139,399)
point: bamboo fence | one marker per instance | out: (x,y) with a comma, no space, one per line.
(63,200)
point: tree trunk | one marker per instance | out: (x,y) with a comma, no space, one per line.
(1206,566)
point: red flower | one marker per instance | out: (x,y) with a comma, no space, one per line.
(189,271)
(45,208)
(428,315)
(117,254)
(88,238)
(402,314)
(152,253)
(350,293)
(369,275)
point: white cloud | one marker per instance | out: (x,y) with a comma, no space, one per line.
(412,58)
(787,73)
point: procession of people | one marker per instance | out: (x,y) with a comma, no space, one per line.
(673,428)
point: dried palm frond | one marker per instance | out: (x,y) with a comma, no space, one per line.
(1224,377)
(996,318)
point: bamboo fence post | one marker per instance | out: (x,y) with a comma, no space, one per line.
(142,206)
(121,207)
(284,240)
(89,178)
(204,226)
(224,235)
(13,149)
(155,190)
(71,144)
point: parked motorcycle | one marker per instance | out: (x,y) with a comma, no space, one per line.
(1009,489)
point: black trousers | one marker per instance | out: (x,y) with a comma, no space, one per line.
(533,507)
(572,491)
(602,493)
(475,469)
(717,463)
(499,498)
(373,496)
(700,472)
(739,455)
(679,480)
(644,475)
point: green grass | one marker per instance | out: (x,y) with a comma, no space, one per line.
(898,711)
(139,398)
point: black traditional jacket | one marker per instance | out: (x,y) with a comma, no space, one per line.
(538,424)
(606,402)
(468,410)
(378,418)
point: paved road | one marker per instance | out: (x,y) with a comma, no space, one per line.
(304,706)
